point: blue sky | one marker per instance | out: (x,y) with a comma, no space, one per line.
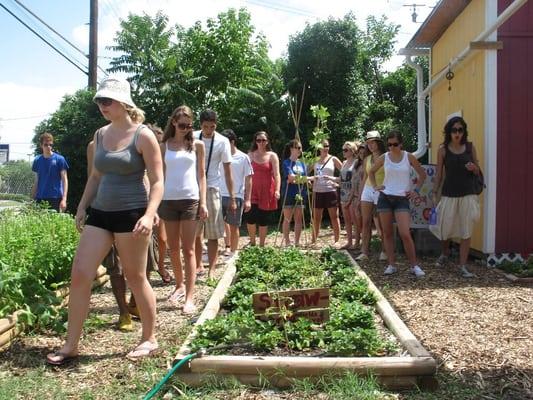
(34,78)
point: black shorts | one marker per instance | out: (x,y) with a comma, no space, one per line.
(257,216)
(114,221)
(326,200)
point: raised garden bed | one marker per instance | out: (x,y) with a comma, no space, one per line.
(326,349)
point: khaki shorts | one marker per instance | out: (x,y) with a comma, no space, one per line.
(214,225)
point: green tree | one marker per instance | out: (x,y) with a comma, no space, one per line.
(153,64)
(73,126)
(341,67)
(224,66)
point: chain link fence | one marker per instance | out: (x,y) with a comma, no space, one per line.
(16,178)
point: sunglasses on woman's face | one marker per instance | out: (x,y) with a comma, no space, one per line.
(261,140)
(183,126)
(297,148)
(393,144)
(344,150)
(458,130)
(104,101)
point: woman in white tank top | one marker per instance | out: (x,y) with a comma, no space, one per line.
(394,198)
(183,200)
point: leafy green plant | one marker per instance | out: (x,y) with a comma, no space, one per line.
(518,268)
(350,330)
(36,252)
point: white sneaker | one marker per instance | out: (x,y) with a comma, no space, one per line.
(417,271)
(465,272)
(361,257)
(227,252)
(391,269)
(441,261)
(383,256)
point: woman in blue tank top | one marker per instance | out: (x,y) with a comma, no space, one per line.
(122,211)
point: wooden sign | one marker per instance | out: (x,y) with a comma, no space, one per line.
(291,304)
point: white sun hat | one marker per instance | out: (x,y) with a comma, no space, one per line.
(116,89)
(373,135)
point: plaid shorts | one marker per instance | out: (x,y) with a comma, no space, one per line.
(214,225)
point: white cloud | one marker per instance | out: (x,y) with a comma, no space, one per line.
(21,109)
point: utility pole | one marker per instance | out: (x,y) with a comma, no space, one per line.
(93,44)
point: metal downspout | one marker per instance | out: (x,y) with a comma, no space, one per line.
(420,109)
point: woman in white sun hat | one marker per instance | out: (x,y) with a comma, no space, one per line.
(116,207)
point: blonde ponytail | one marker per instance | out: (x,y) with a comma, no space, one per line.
(135,113)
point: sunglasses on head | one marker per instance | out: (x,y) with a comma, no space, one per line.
(458,130)
(393,144)
(261,140)
(183,126)
(104,101)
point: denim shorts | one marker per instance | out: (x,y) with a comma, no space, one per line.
(390,203)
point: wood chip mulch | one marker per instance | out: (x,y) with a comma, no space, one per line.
(479,330)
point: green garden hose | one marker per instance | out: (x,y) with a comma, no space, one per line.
(158,387)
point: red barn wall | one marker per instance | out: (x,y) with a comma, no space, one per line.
(514,200)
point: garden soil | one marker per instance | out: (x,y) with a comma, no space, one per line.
(479,330)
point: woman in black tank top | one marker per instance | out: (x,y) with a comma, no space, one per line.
(458,207)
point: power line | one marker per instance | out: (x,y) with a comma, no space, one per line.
(49,27)
(111,7)
(56,32)
(43,39)
(279,7)
(20,118)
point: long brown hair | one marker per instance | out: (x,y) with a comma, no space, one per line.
(254,143)
(170,129)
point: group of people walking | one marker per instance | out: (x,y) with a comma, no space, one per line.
(199,185)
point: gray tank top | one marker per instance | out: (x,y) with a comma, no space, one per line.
(121,186)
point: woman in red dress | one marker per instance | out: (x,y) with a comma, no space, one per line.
(265,187)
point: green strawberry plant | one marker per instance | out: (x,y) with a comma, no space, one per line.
(350,330)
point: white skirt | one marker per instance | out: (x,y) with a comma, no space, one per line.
(456,217)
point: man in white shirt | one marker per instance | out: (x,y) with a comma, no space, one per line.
(217,153)
(241,172)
